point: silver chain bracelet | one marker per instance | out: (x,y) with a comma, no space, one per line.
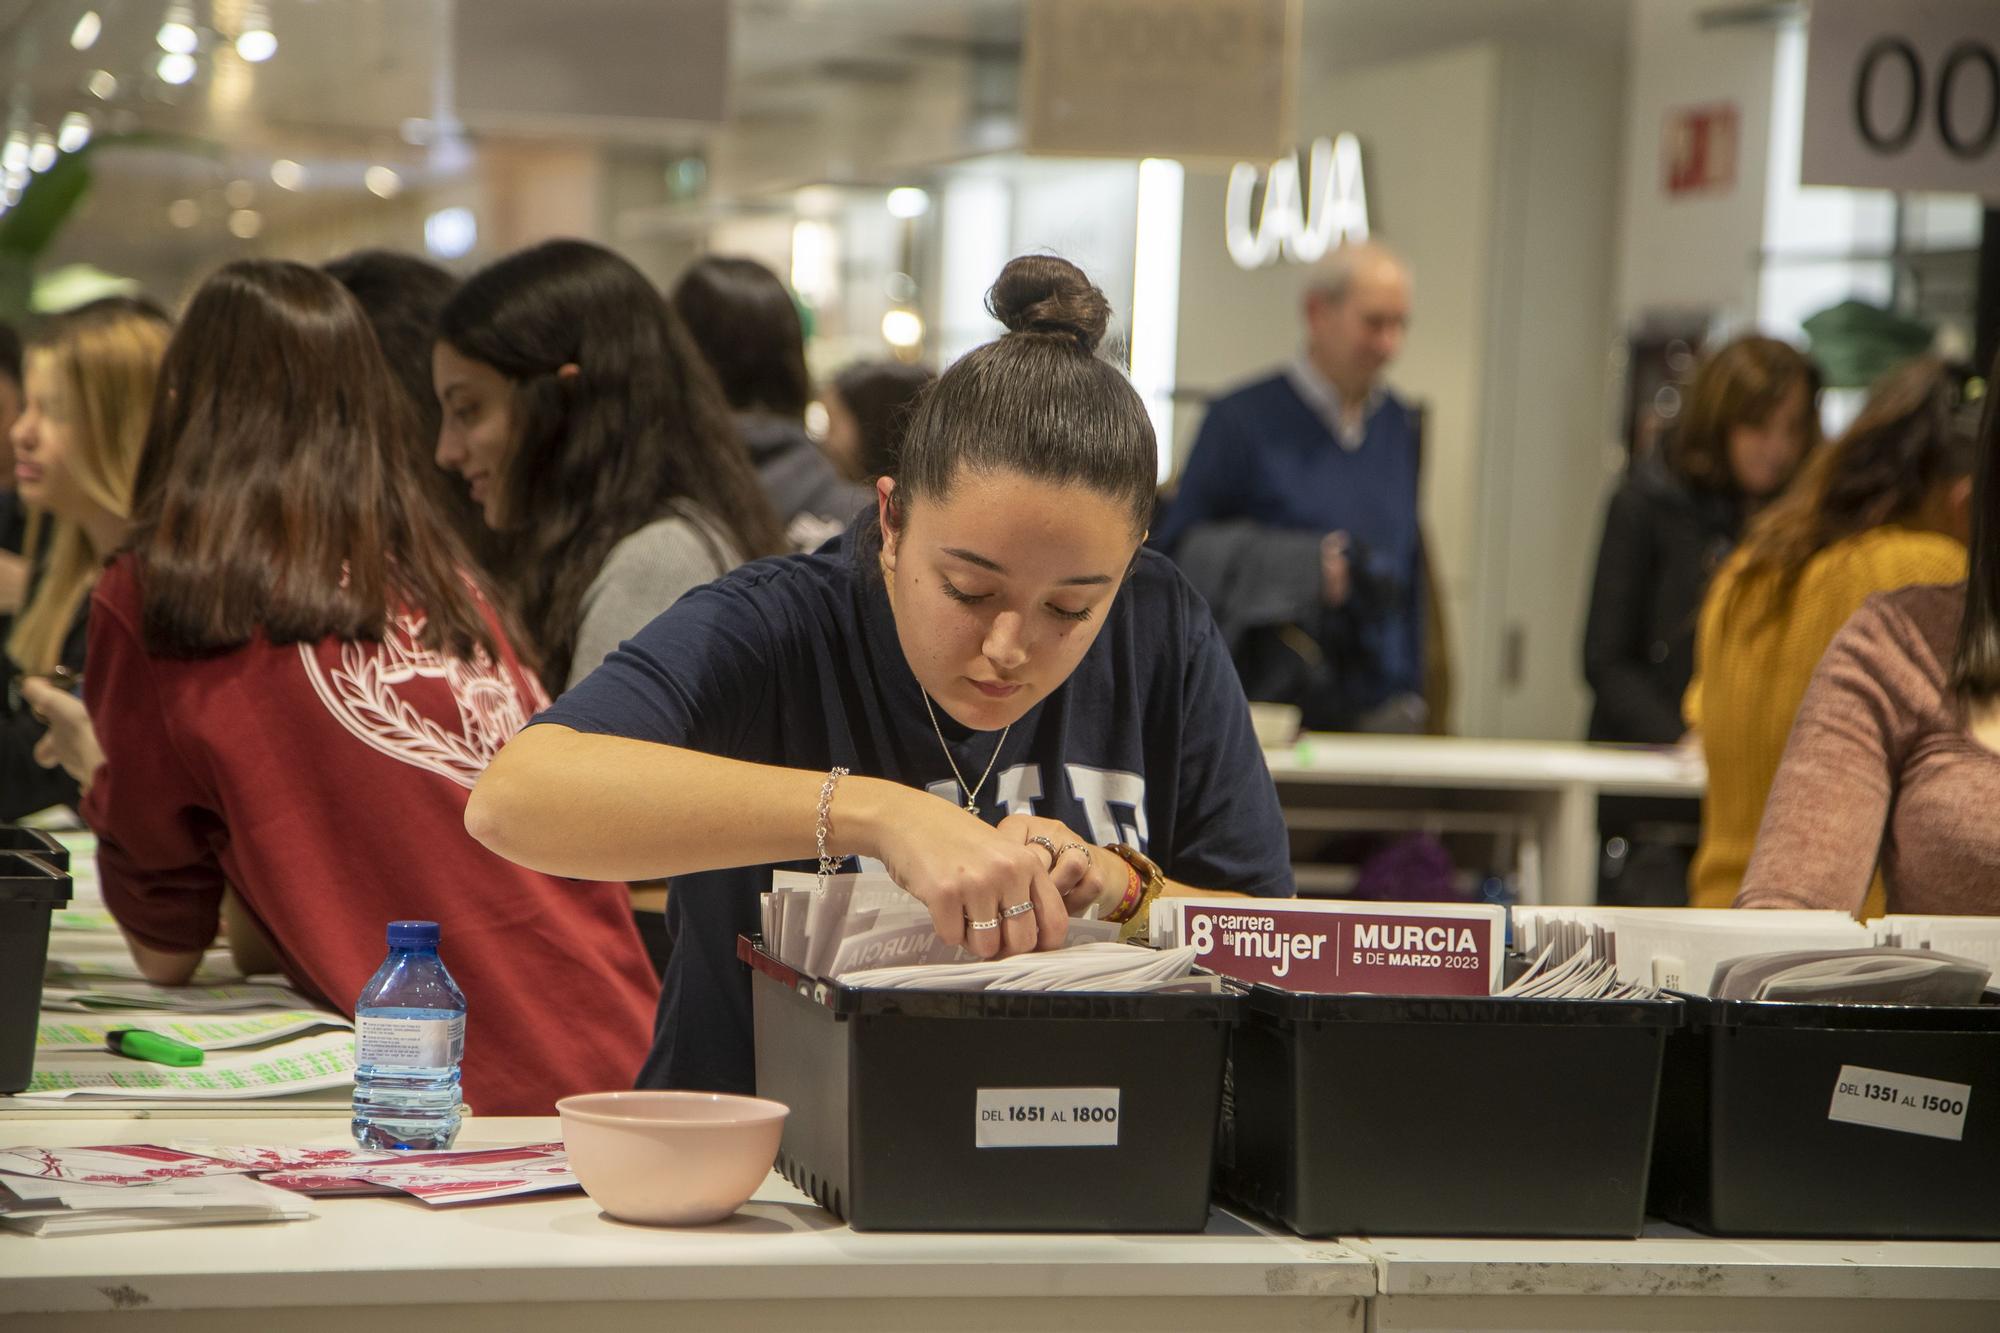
(829,864)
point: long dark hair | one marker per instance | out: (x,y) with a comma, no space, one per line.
(1740,385)
(1038,401)
(599,453)
(402,294)
(744,321)
(1975,668)
(276,492)
(1911,437)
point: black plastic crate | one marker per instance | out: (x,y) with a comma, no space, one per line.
(885,1089)
(32,887)
(1749,1143)
(1462,1116)
(35,842)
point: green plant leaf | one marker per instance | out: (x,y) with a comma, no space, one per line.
(32,224)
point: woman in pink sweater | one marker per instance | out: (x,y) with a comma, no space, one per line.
(1895,756)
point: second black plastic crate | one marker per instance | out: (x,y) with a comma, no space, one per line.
(1408,1115)
(887,1090)
(1758,1121)
(34,882)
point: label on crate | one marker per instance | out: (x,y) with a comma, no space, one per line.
(1341,953)
(1902,1102)
(409,1043)
(1046,1118)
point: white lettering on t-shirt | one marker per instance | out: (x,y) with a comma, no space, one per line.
(1014,792)
(1113,802)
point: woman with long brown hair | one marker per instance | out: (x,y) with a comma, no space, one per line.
(596,442)
(1750,419)
(88,378)
(1885,506)
(1894,759)
(296,678)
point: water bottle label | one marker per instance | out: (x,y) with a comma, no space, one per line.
(417,1043)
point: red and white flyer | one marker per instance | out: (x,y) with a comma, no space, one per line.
(119,1164)
(1340,948)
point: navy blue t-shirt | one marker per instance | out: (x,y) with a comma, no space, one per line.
(794,661)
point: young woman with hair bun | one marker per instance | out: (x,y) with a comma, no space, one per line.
(987,685)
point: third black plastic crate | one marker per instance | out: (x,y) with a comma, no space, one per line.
(1407,1115)
(989,1111)
(1850,1120)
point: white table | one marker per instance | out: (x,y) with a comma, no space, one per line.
(1672,1279)
(1331,781)
(558,1265)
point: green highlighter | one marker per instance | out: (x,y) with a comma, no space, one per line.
(135,1044)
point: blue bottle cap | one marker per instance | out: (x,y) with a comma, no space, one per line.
(413,934)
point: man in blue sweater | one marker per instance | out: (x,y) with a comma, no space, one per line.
(1296,515)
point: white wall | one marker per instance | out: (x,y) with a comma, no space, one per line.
(1553,236)
(1694,253)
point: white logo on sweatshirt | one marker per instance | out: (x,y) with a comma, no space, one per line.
(363,695)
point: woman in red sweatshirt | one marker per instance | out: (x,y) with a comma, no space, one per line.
(295,679)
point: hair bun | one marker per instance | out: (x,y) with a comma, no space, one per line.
(1044,294)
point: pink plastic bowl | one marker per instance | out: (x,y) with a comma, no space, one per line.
(671,1158)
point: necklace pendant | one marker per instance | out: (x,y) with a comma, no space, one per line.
(971,809)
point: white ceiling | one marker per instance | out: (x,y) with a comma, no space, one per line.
(829,74)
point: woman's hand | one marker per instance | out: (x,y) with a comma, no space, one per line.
(71,741)
(1083,874)
(967,873)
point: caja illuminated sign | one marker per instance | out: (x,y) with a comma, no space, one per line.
(1298,219)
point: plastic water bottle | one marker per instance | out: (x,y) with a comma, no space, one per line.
(409,1035)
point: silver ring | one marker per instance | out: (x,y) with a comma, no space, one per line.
(1048,844)
(1018,909)
(1069,847)
(983,925)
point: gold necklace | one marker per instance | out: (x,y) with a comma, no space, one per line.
(972,792)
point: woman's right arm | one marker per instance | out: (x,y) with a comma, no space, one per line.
(591,806)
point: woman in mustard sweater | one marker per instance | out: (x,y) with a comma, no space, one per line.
(1884,507)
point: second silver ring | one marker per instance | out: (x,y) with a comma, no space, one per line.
(1018,909)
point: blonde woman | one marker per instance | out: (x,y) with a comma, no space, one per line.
(88,380)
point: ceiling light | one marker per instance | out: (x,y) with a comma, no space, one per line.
(184,213)
(177,35)
(382,181)
(84,35)
(102,84)
(451,232)
(245,223)
(175,68)
(255,41)
(287,174)
(902,328)
(75,132)
(14,157)
(43,155)
(908,201)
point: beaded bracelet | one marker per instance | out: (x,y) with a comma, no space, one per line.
(1134,887)
(829,864)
